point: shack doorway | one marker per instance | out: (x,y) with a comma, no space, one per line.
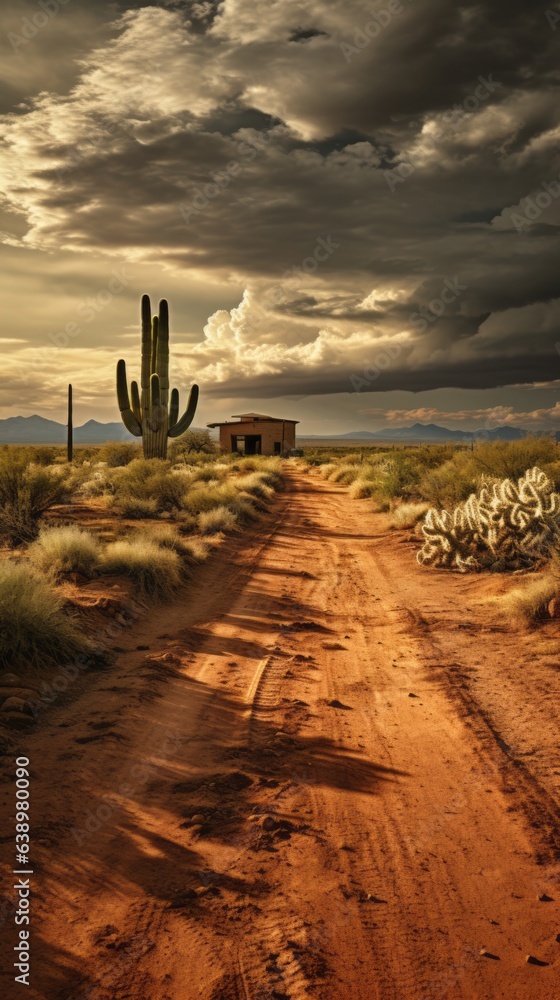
(247,444)
(253,444)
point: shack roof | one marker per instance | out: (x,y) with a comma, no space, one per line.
(243,418)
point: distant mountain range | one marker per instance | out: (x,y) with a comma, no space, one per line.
(425,432)
(39,430)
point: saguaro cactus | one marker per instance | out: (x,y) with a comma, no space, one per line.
(150,414)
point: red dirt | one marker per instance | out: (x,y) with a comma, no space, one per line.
(333,774)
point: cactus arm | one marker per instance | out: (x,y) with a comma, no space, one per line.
(153,356)
(135,399)
(146,352)
(162,351)
(186,420)
(128,418)
(173,408)
(155,391)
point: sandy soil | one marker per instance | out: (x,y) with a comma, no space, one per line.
(331,774)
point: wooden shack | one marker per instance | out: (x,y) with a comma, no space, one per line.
(257,434)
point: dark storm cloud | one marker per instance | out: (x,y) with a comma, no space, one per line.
(408,145)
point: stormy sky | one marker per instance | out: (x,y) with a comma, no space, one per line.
(353,207)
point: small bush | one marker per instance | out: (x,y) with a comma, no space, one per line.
(26,494)
(34,629)
(192,441)
(220,519)
(65,550)
(451,483)
(149,479)
(95,487)
(407,515)
(119,453)
(530,603)
(362,488)
(344,474)
(135,508)
(256,485)
(155,571)
(165,535)
(198,548)
(45,454)
(511,459)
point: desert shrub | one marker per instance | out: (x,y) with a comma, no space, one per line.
(192,441)
(345,474)
(530,602)
(407,515)
(135,508)
(362,488)
(26,494)
(155,570)
(218,519)
(45,454)
(95,486)
(65,550)
(166,535)
(504,526)
(511,459)
(256,485)
(451,483)
(398,476)
(149,479)
(205,497)
(34,630)
(119,453)
(209,473)
(198,548)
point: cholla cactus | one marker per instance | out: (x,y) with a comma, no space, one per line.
(504,526)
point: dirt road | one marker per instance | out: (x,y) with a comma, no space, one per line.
(332,774)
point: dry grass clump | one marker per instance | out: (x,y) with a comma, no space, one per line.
(255,483)
(148,479)
(95,486)
(119,453)
(26,494)
(407,515)
(210,522)
(155,570)
(530,603)
(362,488)
(451,483)
(345,474)
(34,631)
(67,549)
(206,497)
(166,535)
(199,548)
(135,508)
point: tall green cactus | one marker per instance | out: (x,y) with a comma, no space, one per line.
(146,414)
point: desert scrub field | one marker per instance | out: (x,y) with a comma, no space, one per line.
(495,506)
(110,514)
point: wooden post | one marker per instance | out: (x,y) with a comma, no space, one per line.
(70,439)
(282,448)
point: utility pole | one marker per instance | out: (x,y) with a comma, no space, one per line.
(70,439)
